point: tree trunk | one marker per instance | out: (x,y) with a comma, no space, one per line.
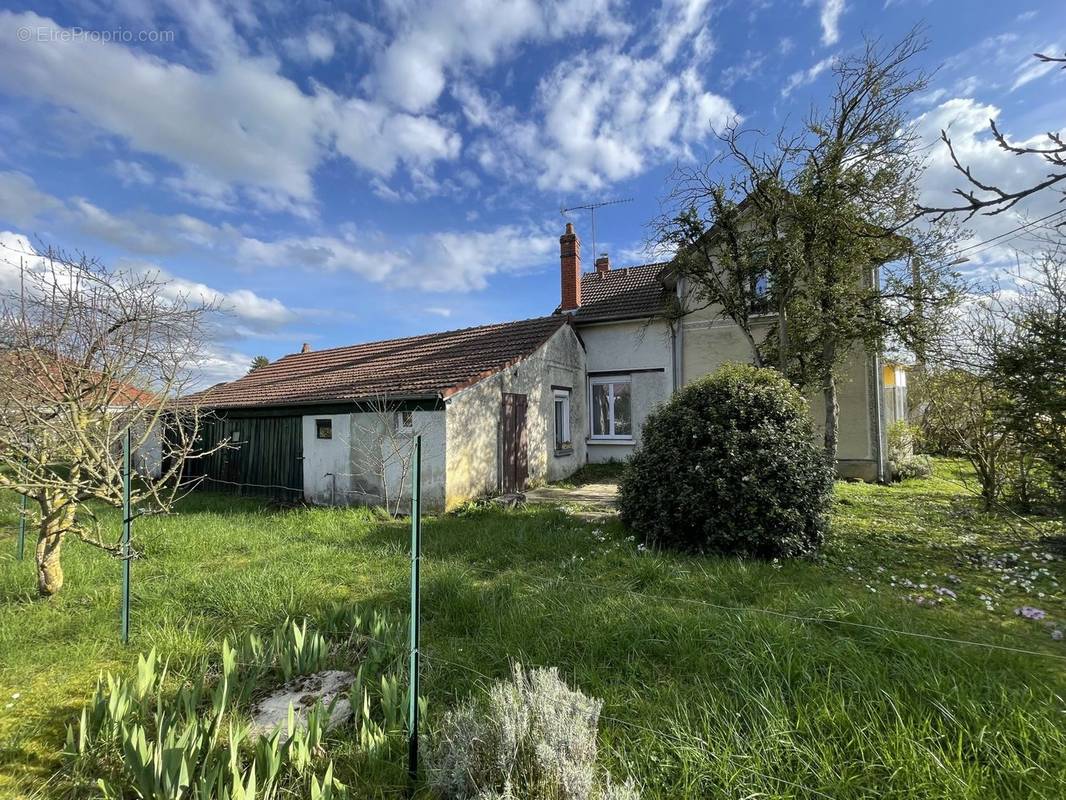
(782,340)
(49,568)
(832,418)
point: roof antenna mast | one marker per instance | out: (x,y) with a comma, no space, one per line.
(591,208)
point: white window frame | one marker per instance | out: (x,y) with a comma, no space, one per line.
(567,443)
(600,380)
(400,417)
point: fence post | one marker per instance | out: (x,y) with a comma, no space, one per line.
(127,522)
(416,558)
(21,550)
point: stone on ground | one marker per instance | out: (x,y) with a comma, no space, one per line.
(302,692)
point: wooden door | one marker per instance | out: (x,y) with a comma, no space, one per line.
(515,451)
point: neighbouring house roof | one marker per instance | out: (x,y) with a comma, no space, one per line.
(52,378)
(623,293)
(433,365)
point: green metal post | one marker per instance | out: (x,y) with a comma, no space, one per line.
(127,521)
(416,559)
(22,527)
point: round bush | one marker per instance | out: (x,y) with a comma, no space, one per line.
(729,465)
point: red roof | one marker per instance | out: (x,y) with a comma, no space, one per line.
(432,365)
(623,293)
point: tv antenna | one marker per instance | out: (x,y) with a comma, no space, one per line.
(591,208)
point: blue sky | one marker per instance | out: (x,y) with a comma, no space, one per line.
(399,167)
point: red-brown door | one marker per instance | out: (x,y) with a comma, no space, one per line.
(515,455)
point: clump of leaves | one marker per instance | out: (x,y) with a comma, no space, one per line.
(904,463)
(729,465)
(135,737)
(532,737)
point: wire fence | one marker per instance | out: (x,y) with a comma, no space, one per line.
(431,656)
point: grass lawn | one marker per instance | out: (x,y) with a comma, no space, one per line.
(700,701)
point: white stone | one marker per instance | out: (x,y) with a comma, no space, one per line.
(272,712)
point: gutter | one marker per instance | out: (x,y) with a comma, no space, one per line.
(879,419)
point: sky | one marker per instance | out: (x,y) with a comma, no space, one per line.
(400,167)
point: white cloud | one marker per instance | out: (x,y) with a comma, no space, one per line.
(808,76)
(443,261)
(439,39)
(327,253)
(220,364)
(829,13)
(682,22)
(967,123)
(121,231)
(21,202)
(242,123)
(454,260)
(315,45)
(378,140)
(257,312)
(1033,68)
(438,311)
(601,117)
(132,173)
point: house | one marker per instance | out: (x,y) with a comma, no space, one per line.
(499,407)
(637,357)
(494,404)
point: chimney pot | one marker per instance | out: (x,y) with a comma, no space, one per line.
(570,269)
(603,263)
(306,348)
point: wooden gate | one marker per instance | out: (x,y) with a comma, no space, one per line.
(515,457)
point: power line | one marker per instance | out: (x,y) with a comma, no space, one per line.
(1017,231)
(784,615)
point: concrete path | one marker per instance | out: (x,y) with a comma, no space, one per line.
(589,501)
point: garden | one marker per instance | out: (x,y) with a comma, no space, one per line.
(920,655)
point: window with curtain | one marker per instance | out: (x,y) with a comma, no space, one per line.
(611,407)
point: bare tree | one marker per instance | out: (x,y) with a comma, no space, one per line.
(728,235)
(88,353)
(979,195)
(382,444)
(819,228)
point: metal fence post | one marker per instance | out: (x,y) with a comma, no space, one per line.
(127,521)
(21,550)
(416,558)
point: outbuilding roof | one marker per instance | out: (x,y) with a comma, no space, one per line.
(432,365)
(622,293)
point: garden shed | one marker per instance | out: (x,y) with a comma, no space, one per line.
(499,407)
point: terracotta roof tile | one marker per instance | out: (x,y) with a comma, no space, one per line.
(432,365)
(622,293)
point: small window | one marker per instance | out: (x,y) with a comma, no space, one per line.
(611,408)
(405,420)
(323,429)
(235,437)
(562,420)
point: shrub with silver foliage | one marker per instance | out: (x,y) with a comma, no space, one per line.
(531,737)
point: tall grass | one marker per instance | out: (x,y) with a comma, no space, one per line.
(698,702)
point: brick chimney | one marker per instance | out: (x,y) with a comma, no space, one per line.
(306,348)
(570,269)
(603,263)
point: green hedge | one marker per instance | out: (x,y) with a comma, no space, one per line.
(729,465)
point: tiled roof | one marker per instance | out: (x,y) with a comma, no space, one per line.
(623,293)
(433,365)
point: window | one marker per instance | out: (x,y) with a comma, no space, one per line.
(562,420)
(405,420)
(612,409)
(323,429)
